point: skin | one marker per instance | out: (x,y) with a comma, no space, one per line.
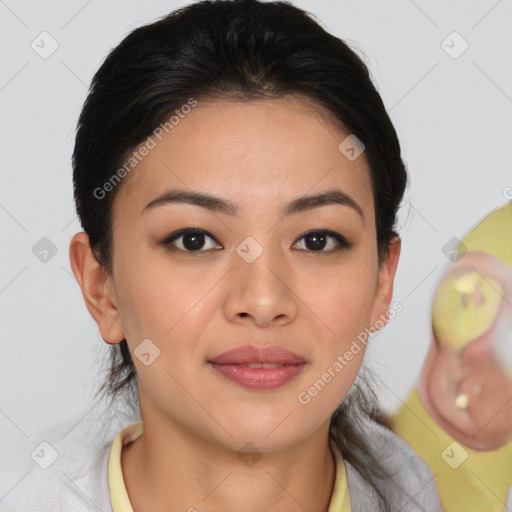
(260,155)
(486,424)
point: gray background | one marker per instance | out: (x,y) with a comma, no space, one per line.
(453,117)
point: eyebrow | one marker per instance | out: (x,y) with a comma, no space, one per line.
(217,204)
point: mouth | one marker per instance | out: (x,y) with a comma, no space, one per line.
(263,365)
(259,368)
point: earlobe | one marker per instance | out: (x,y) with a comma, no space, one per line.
(97,290)
(384,292)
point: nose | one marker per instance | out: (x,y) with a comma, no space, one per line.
(261,291)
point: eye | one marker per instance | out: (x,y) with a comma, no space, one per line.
(193,240)
(316,241)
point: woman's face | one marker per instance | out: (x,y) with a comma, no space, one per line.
(254,277)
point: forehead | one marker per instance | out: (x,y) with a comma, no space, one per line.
(254,153)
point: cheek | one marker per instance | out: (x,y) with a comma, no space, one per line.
(172,307)
(339,304)
(340,299)
(155,298)
(169,309)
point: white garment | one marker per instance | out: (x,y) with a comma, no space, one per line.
(508,508)
(77,481)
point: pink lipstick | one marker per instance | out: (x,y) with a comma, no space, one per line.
(263,368)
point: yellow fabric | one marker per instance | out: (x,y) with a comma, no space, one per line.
(493,235)
(479,484)
(340,499)
(118,496)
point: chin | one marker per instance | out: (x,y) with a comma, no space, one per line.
(268,436)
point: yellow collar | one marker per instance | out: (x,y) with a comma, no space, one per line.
(340,499)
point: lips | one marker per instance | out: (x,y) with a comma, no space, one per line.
(258,357)
(259,368)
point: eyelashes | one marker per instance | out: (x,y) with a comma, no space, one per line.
(192,240)
(195,237)
(322,235)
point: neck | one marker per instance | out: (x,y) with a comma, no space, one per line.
(172,470)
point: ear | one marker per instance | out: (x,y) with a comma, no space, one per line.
(97,288)
(384,292)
